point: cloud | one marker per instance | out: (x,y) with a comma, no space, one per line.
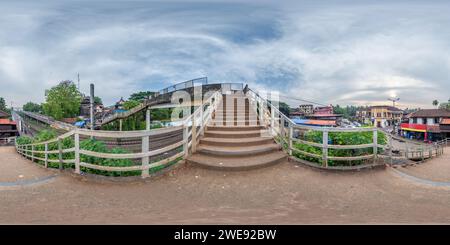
(346,53)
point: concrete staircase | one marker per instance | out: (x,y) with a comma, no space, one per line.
(235,140)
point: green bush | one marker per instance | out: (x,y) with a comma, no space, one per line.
(99,146)
(339,138)
(24,140)
(88,144)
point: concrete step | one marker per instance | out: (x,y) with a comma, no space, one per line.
(243,142)
(234,134)
(236,112)
(236,151)
(230,121)
(242,111)
(237,164)
(233,128)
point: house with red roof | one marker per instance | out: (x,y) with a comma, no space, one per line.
(8,128)
(427,124)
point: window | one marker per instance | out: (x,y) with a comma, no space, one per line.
(414,120)
(436,120)
(378,114)
(424,121)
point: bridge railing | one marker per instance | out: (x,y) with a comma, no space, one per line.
(184,85)
(7,141)
(371,151)
(316,153)
(192,127)
(443,142)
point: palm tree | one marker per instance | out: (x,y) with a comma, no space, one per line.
(435,103)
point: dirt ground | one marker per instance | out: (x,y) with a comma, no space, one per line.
(283,194)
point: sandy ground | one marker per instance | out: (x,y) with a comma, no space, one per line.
(282,194)
(437,169)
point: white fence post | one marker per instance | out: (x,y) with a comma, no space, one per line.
(272,119)
(147,119)
(375,145)
(145,160)
(291,134)
(60,158)
(325,148)
(46,155)
(194,134)
(77,153)
(390,149)
(32,153)
(186,140)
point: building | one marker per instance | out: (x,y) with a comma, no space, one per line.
(380,116)
(427,125)
(8,128)
(85,107)
(319,116)
(326,115)
(306,109)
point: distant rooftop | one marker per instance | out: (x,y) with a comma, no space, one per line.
(430,113)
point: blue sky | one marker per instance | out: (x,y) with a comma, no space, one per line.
(339,52)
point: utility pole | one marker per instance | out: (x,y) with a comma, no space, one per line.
(92,106)
(78,81)
(393,99)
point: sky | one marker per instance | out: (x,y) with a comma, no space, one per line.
(331,52)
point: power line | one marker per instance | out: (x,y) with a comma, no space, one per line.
(307,101)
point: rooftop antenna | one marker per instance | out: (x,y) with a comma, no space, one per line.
(393,99)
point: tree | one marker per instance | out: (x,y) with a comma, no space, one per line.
(97,100)
(435,102)
(284,108)
(2,104)
(32,107)
(130,104)
(62,101)
(141,96)
(444,106)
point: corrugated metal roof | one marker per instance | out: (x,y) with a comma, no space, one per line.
(431,113)
(7,121)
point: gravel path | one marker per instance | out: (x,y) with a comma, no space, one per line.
(282,194)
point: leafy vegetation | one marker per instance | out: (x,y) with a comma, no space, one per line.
(32,107)
(62,101)
(338,138)
(445,105)
(87,144)
(3,106)
(137,121)
(141,96)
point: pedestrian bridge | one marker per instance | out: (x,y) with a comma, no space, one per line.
(232,129)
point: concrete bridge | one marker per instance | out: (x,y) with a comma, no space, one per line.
(221,135)
(285,193)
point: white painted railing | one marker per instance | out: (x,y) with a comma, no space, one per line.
(283,130)
(7,140)
(192,127)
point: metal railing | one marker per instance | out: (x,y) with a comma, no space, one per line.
(443,142)
(284,130)
(7,141)
(192,127)
(48,120)
(184,85)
